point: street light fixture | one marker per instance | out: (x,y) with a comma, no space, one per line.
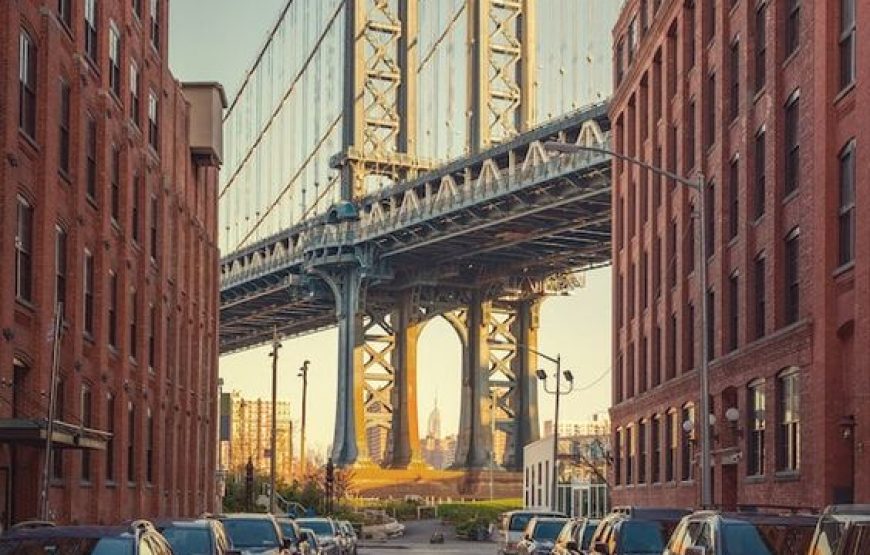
(699,185)
(558,392)
(303,373)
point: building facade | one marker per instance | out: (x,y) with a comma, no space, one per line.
(762,98)
(108,216)
(250,437)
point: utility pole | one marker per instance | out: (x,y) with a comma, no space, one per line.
(493,394)
(303,373)
(274,439)
(57,329)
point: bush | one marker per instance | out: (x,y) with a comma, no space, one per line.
(488,511)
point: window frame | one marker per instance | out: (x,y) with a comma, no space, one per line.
(759,289)
(153,120)
(91,21)
(788,420)
(135,107)
(27,83)
(115,48)
(112,311)
(23,245)
(91,162)
(846,220)
(791,277)
(756,424)
(88,295)
(110,441)
(760,46)
(61,268)
(64,125)
(847,43)
(792,27)
(791,144)
(760,180)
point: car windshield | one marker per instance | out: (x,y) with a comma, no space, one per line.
(642,536)
(249,532)
(320,527)
(743,538)
(588,533)
(288,530)
(66,546)
(188,540)
(547,529)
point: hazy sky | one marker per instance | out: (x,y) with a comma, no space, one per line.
(217,40)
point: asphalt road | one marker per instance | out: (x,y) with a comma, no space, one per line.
(416,540)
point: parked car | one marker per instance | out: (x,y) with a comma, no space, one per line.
(576,537)
(513,525)
(203,536)
(139,537)
(842,530)
(635,531)
(308,540)
(721,533)
(349,533)
(255,533)
(327,534)
(290,532)
(540,535)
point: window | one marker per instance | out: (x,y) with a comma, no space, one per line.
(690,34)
(672,439)
(27,84)
(619,392)
(846,214)
(134,93)
(64,12)
(620,223)
(791,277)
(149,447)
(629,371)
(760,46)
(656,366)
(759,292)
(711,324)
(630,292)
(657,267)
(672,254)
(710,116)
(689,334)
(690,138)
(110,442)
(709,20)
(847,43)
(131,442)
(788,438)
(60,269)
(91,162)
(792,144)
(643,370)
(153,121)
(710,219)
(59,414)
(672,347)
(656,440)
(671,60)
(632,39)
(792,26)
(155,223)
(617,457)
(134,309)
(760,182)
(89,293)
(629,455)
(733,311)
(687,447)
(63,127)
(734,103)
(734,199)
(87,422)
(644,280)
(644,16)
(115,185)
(134,207)
(155,24)
(137,8)
(114,60)
(91,30)
(152,336)
(113,310)
(642,455)
(24,251)
(620,295)
(755,451)
(620,63)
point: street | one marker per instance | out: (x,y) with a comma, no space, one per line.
(416,540)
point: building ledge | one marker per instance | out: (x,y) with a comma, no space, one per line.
(64,435)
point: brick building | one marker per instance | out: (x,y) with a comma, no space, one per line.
(108,205)
(763,97)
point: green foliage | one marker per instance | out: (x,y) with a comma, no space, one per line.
(467,514)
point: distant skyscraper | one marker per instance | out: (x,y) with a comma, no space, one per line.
(250,427)
(435,422)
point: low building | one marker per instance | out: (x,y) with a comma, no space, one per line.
(250,437)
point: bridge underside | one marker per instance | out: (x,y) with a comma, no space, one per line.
(479,243)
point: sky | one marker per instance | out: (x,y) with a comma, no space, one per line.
(217,40)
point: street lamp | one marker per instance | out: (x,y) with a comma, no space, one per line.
(303,373)
(274,438)
(699,185)
(569,377)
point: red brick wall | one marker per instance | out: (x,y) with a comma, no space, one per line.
(828,342)
(180,282)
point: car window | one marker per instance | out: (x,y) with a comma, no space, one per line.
(787,539)
(586,541)
(858,539)
(547,529)
(828,539)
(519,522)
(705,538)
(247,533)
(319,527)
(288,530)
(641,536)
(188,541)
(742,538)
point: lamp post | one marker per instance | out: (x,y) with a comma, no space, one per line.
(700,186)
(273,448)
(569,377)
(303,373)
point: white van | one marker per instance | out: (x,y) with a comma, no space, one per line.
(513,524)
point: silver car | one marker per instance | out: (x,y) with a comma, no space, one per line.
(327,534)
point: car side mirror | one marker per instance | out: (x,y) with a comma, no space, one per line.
(695,551)
(601,547)
(571,546)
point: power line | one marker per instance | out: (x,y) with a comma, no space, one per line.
(441,37)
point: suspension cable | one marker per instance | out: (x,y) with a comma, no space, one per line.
(291,181)
(283,101)
(441,37)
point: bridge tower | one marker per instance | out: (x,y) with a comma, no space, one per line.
(378,345)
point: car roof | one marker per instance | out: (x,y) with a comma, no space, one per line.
(762,518)
(69,532)
(542,512)
(550,519)
(314,519)
(648,513)
(184,523)
(245,516)
(850,510)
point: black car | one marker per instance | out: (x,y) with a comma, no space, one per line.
(196,536)
(842,530)
(138,537)
(255,533)
(575,537)
(540,535)
(635,531)
(729,533)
